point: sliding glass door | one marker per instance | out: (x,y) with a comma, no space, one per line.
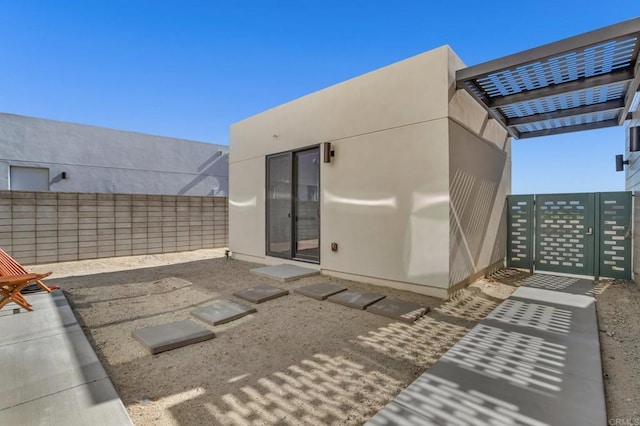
(279,201)
(293,205)
(307,204)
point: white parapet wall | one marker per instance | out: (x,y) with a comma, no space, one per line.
(99,160)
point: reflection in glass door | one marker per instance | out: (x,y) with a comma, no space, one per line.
(279,205)
(293,205)
(307,204)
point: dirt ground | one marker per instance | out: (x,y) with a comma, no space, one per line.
(618,305)
(296,361)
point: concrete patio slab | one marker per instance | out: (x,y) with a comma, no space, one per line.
(569,285)
(222,311)
(94,403)
(320,291)
(48,321)
(285,272)
(394,414)
(261,293)
(67,357)
(534,360)
(173,335)
(398,309)
(50,373)
(355,298)
(439,395)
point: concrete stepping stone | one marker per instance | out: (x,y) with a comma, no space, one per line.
(398,309)
(355,298)
(285,272)
(170,336)
(261,293)
(222,311)
(320,291)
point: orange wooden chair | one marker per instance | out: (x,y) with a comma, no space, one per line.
(11,285)
(9,266)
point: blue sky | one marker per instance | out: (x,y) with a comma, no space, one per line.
(190,69)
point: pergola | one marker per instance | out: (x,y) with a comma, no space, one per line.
(584,82)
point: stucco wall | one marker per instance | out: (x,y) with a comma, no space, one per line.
(478,195)
(480,180)
(111,161)
(384,196)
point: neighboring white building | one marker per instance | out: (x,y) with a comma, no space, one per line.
(46,155)
(414,197)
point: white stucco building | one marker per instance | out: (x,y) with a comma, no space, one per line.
(47,155)
(413,198)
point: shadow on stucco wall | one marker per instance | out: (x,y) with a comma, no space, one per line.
(211,168)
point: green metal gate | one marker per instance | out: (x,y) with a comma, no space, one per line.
(615,240)
(565,233)
(520,231)
(580,234)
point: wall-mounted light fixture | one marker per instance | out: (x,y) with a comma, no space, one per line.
(64,175)
(620,163)
(328,152)
(634,138)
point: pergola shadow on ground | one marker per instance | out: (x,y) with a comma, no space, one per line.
(296,360)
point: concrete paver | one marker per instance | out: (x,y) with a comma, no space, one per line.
(173,335)
(398,309)
(320,291)
(285,272)
(261,293)
(222,311)
(355,298)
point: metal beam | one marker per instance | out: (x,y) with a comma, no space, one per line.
(511,131)
(540,53)
(631,92)
(563,113)
(569,129)
(617,76)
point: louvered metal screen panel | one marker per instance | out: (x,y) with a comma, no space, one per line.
(615,235)
(568,121)
(560,102)
(564,233)
(520,231)
(587,78)
(592,61)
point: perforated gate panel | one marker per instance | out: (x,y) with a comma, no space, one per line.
(615,235)
(520,231)
(581,234)
(565,233)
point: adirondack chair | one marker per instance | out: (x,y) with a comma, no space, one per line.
(9,266)
(11,285)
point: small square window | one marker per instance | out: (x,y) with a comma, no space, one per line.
(29,178)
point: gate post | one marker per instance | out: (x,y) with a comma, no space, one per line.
(597,232)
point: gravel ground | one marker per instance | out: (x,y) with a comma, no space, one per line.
(618,305)
(296,361)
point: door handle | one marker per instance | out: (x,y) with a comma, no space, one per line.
(590,231)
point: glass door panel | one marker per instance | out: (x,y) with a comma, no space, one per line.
(306,175)
(279,198)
